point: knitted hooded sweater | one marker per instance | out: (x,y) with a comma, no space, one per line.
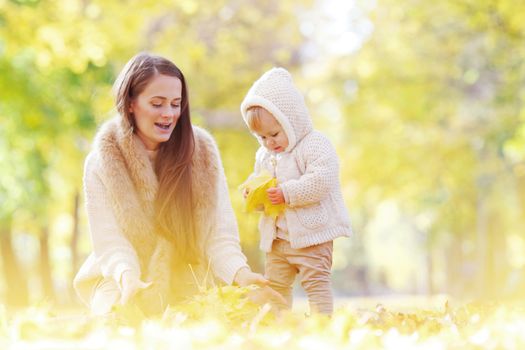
(307,171)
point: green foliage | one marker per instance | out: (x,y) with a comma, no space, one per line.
(434,126)
(59,59)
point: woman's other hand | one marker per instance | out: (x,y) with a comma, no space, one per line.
(130,284)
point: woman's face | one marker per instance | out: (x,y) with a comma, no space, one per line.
(157,110)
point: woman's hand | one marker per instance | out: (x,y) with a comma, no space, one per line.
(130,284)
(245,277)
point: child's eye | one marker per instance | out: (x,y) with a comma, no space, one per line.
(277,133)
(263,137)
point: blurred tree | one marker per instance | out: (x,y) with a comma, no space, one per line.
(58,60)
(440,92)
(45,108)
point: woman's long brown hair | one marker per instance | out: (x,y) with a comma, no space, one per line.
(173,205)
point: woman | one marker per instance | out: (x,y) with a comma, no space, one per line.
(156,198)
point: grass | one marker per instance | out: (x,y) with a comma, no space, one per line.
(225,319)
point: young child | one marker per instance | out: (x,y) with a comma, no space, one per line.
(305,164)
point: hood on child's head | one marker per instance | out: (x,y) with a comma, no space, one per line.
(276,92)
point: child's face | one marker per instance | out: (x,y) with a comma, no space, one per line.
(271,133)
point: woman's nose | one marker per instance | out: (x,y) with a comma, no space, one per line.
(168,112)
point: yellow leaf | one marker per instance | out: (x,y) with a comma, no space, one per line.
(257,199)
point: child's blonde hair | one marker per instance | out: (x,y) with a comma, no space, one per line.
(253,117)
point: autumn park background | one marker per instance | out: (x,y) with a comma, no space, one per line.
(424,101)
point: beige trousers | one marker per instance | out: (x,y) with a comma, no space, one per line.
(313,264)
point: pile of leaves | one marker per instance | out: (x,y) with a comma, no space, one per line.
(224,318)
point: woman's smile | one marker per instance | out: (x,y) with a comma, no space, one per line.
(164,127)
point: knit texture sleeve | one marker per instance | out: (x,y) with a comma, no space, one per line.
(223,246)
(113,252)
(321,172)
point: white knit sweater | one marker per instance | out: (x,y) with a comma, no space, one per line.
(307,171)
(113,253)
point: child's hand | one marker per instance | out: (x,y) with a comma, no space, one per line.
(275,195)
(245,192)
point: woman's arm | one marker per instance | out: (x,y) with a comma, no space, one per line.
(114,253)
(223,246)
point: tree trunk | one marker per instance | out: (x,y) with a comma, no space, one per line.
(74,239)
(45,265)
(74,244)
(455,283)
(15,282)
(497,269)
(482,242)
(430,270)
